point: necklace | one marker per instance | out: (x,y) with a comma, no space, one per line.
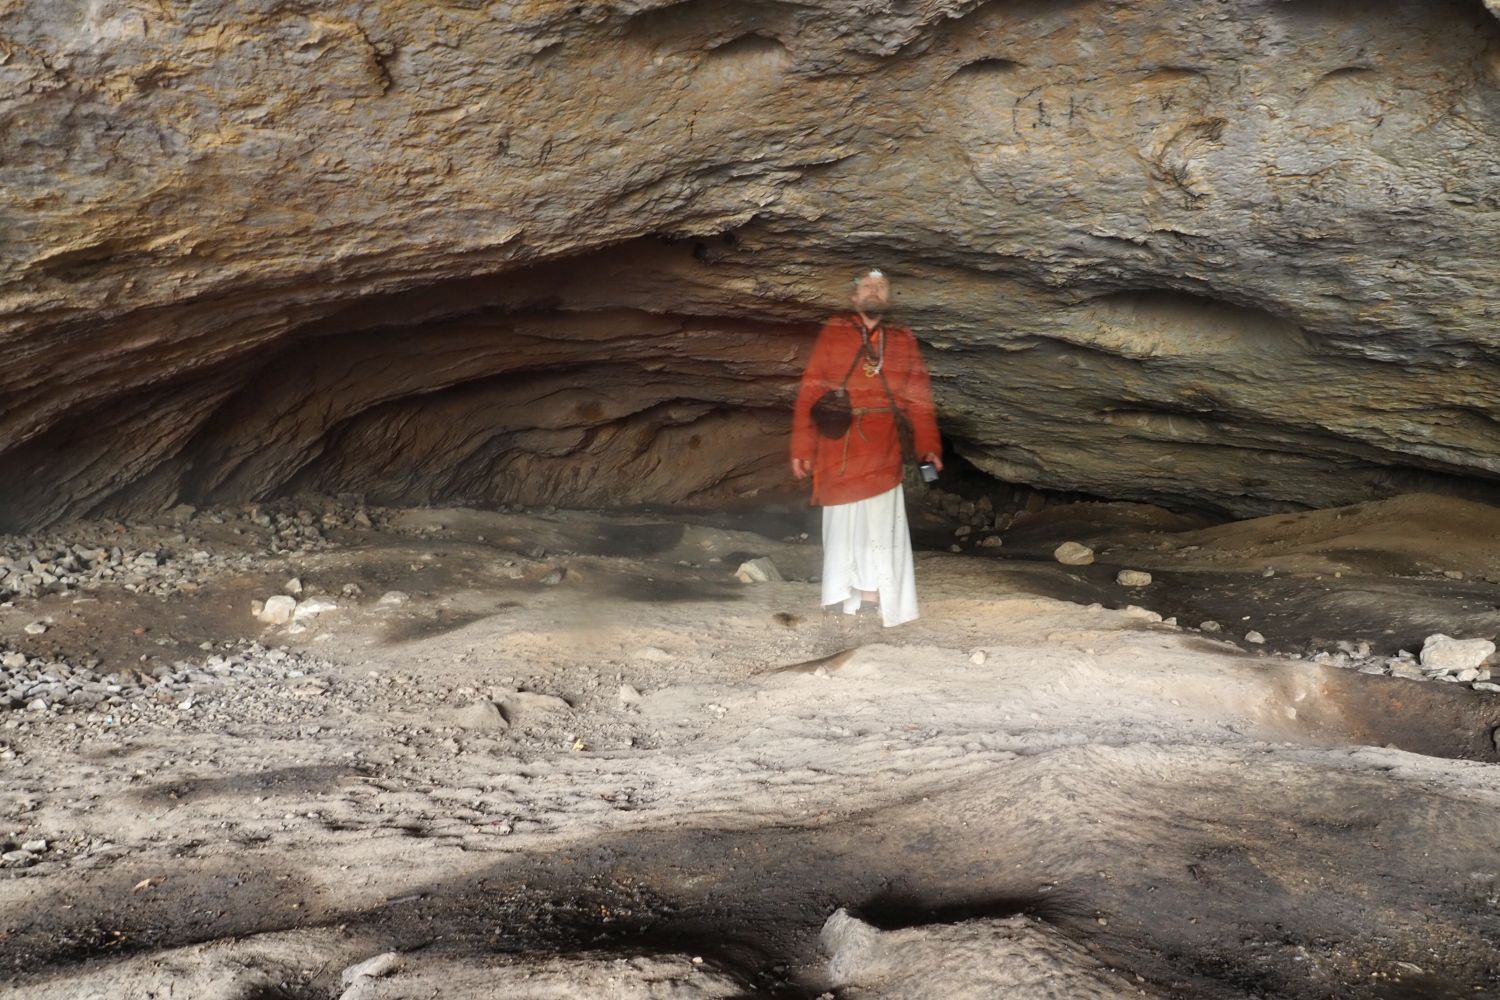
(873,366)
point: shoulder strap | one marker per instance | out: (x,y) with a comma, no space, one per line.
(881,372)
(890,395)
(863,345)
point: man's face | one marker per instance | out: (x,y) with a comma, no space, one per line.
(872,294)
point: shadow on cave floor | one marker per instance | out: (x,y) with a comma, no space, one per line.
(440,622)
(1270,879)
(1296,613)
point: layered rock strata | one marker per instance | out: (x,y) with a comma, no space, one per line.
(1237,255)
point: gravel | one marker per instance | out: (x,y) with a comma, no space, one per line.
(171,557)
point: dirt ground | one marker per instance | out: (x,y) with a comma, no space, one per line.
(568,754)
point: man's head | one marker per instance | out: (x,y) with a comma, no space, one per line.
(872,292)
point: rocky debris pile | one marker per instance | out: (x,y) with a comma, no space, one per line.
(297,528)
(34,567)
(1455,661)
(985,516)
(172,559)
(39,687)
(972,515)
(25,855)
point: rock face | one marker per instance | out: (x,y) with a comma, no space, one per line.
(1239,256)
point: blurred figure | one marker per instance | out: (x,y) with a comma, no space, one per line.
(856,475)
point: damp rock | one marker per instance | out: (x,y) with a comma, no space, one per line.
(1255,638)
(1133,578)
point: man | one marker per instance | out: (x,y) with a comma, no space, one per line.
(856,478)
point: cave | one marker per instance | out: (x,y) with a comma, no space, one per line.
(286,261)
(467,334)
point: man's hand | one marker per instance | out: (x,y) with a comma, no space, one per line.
(801,467)
(934,459)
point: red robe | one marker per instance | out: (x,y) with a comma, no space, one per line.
(866,461)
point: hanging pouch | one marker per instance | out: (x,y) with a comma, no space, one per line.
(832,413)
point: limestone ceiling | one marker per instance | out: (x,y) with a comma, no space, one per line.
(1235,255)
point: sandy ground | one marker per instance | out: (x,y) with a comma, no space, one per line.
(582,760)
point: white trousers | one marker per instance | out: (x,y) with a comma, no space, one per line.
(867,546)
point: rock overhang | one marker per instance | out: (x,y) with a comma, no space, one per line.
(1238,257)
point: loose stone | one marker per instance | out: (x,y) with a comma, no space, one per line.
(761,570)
(277,610)
(312,607)
(1441,652)
(1073,554)
(482,714)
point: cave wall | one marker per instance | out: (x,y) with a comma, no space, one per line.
(1234,254)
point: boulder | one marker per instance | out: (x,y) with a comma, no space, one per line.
(1444,654)
(277,610)
(761,570)
(480,715)
(521,704)
(1073,554)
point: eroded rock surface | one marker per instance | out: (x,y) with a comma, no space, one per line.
(1238,256)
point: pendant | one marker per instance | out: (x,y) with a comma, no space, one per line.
(871,368)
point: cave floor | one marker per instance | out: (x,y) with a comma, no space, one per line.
(569,754)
